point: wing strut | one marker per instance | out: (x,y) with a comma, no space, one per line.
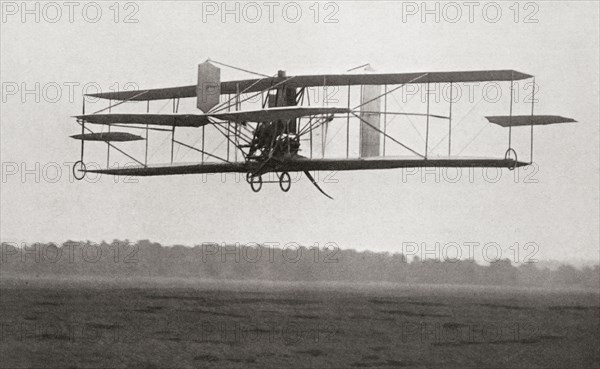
(531,134)
(110,106)
(221,108)
(84,128)
(388,136)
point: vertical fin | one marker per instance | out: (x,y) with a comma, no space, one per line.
(208,90)
(370,138)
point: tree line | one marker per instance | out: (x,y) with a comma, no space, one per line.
(260,262)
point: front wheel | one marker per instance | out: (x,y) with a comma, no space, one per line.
(508,156)
(256,183)
(285,182)
(79,170)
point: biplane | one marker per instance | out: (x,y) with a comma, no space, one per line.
(277,136)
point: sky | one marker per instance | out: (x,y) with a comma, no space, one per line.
(49,62)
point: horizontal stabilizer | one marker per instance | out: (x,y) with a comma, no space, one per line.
(177,120)
(528,120)
(108,136)
(198,120)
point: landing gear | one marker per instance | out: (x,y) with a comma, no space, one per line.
(256,182)
(79,170)
(510,153)
(285,182)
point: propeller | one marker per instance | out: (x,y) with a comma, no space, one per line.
(315,183)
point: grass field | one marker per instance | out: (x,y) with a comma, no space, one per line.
(195,324)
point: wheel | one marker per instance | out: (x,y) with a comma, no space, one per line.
(78,166)
(507,156)
(256,183)
(285,182)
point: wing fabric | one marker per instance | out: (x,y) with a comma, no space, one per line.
(320,80)
(305,164)
(198,120)
(528,120)
(151,94)
(272,114)
(108,136)
(173,169)
(177,120)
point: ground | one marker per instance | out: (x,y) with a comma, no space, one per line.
(65,323)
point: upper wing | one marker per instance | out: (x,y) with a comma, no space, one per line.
(256,85)
(151,94)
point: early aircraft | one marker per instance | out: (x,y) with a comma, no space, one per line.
(270,138)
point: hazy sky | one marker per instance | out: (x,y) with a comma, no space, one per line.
(557,206)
